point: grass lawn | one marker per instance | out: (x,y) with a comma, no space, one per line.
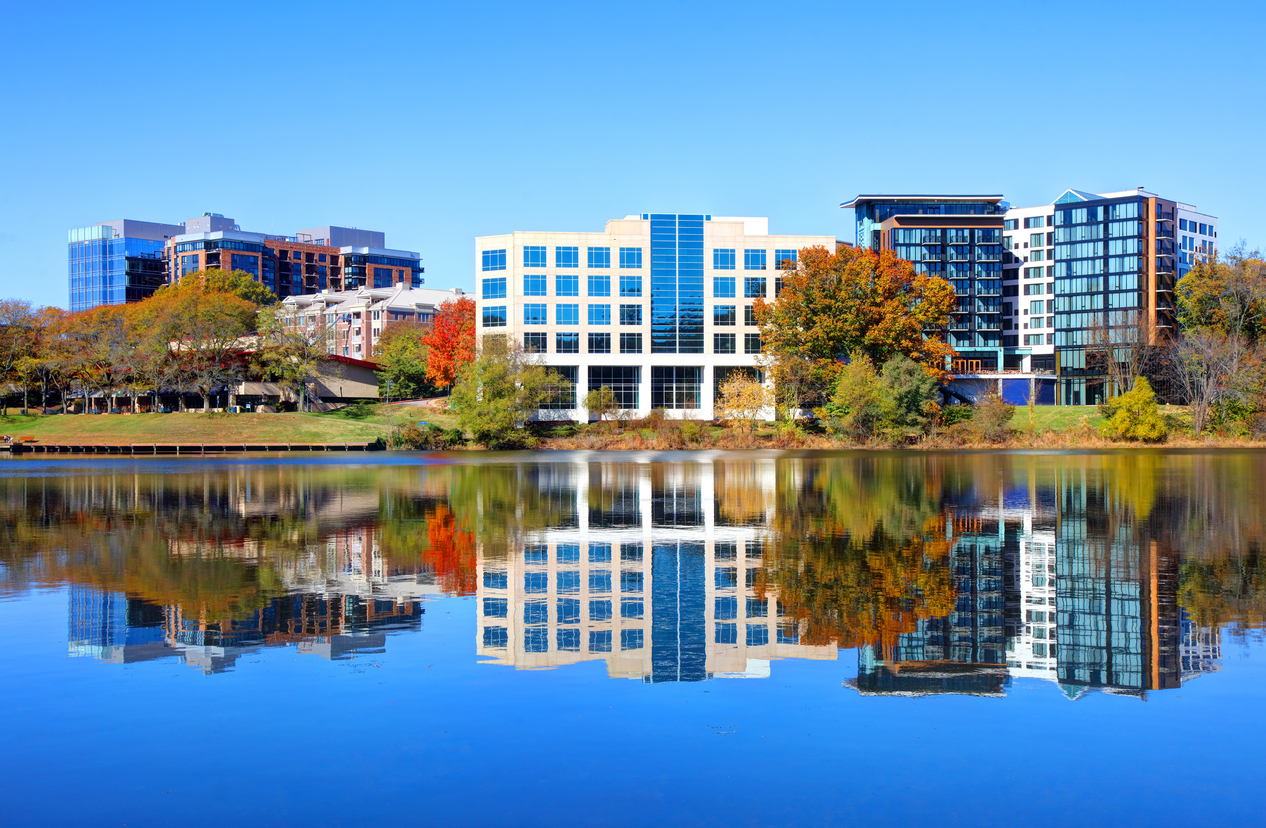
(1071,417)
(192,428)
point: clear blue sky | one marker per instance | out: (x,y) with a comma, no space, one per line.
(437,122)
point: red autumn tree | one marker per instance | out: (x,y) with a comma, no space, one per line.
(451,341)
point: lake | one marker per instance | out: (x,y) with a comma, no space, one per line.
(762,638)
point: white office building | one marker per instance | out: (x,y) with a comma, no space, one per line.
(657,306)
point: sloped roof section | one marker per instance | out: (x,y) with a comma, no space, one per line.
(1071,196)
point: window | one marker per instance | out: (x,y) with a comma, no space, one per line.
(535,582)
(599,284)
(567,553)
(534,284)
(495,608)
(754,287)
(495,579)
(631,639)
(535,612)
(599,343)
(495,288)
(600,257)
(631,581)
(725,634)
(631,258)
(496,637)
(676,387)
(599,553)
(631,553)
(1035,221)
(567,284)
(723,287)
(785,259)
(494,260)
(495,316)
(1036,306)
(534,313)
(723,343)
(567,343)
(566,257)
(753,259)
(535,343)
(567,314)
(561,396)
(533,256)
(1182,224)
(757,635)
(631,284)
(621,379)
(599,314)
(723,259)
(599,641)
(599,580)
(630,343)
(751,343)
(724,315)
(630,314)
(567,582)
(599,610)
(749,316)
(568,640)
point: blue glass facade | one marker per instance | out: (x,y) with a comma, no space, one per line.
(676,283)
(103,270)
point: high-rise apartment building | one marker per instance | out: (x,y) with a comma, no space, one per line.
(658,306)
(956,237)
(1067,276)
(117,261)
(126,261)
(321,258)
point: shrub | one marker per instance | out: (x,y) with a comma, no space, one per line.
(907,397)
(856,402)
(430,438)
(1135,415)
(992,414)
(358,410)
(952,415)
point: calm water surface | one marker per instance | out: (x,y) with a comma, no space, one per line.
(614,639)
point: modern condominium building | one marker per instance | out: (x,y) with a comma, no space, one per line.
(957,237)
(657,306)
(1087,267)
(117,261)
(320,258)
(126,261)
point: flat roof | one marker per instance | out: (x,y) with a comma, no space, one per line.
(924,197)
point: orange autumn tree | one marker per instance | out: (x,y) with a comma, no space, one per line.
(450,342)
(854,301)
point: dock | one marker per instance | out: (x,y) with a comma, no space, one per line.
(175,449)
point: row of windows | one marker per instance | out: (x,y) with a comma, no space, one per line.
(569,314)
(536,639)
(631,258)
(1194,227)
(568,284)
(630,343)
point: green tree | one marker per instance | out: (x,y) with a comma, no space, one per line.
(602,403)
(908,397)
(292,355)
(856,401)
(498,391)
(1134,415)
(402,351)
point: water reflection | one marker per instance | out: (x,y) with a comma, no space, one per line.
(942,573)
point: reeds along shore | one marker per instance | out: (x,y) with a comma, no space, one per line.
(696,435)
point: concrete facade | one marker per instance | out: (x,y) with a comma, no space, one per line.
(656,306)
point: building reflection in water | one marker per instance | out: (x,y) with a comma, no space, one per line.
(646,572)
(341,599)
(945,574)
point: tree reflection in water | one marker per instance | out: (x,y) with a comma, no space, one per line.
(946,573)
